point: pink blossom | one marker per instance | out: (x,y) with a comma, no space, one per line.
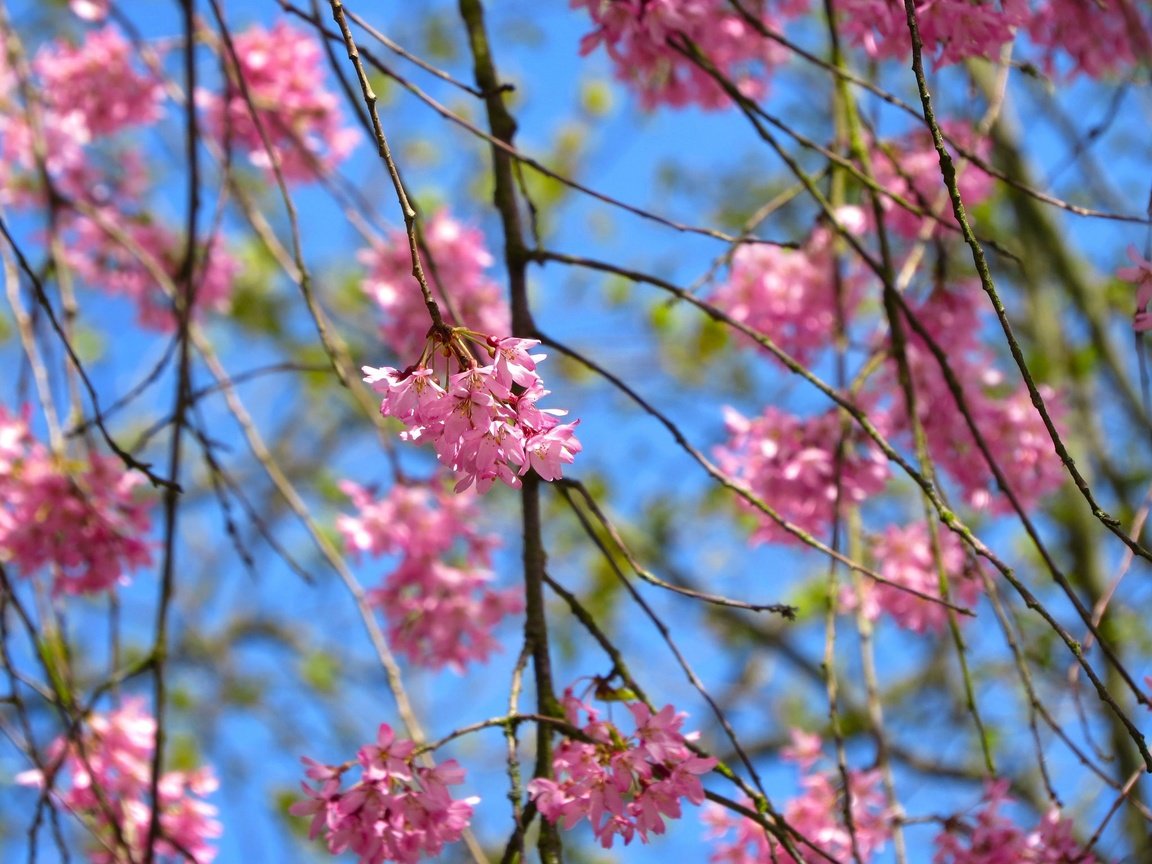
(643,38)
(66,162)
(80,521)
(439,613)
(459,282)
(1006,418)
(102,261)
(910,169)
(790,464)
(951,30)
(623,785)
(994,839)
(904,557)
(790,295)
(1104,39)
(1140,274)
(479,426)
(816,815)
(396,811)
(284,72)
(97,81)
(106,779)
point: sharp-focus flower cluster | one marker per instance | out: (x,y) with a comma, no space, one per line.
(457,277)
(396,811)
(284,73)
(910,170)
(791,465)
(790,295)
(439,614)
(623,785)
(104,261)
(1006,418)
(106,781)
(647,41)
(994,839)
(82,522)
(904,557)
(816,817)
(483,421)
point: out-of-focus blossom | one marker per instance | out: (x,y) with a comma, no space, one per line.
(439,601)
(283,69)
(468,297)
(80,523)
(106,778)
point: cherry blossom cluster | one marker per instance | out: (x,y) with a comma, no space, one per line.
(439,613)
(482,420)
(647,39)
(1112,36)
(80,521)
(904,557)
(103,260)
(1005,416)
(93,91)
(951,30)
(87,92)
(1140,275)
(910,170)
(98,81)
(396,811)
(284,74)
(457,275)
(790,463)
(992,838)
(106,779)
(623,785)
(790,295)
(816,817)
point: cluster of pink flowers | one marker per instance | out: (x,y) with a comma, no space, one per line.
(1005,417)
(284,73)
(459,282)
(816,815)
(910,169)
(993,838)
(623,785)
(97,80)
(92,91)
(483,420)
(643,38)
(904,557)
(1106,39)
(396,811)
(1140,275)
(951,30)
(103,261)
(88,92)
(81,521)
(789,295)
(790,464)
(109,781)
(438,614)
